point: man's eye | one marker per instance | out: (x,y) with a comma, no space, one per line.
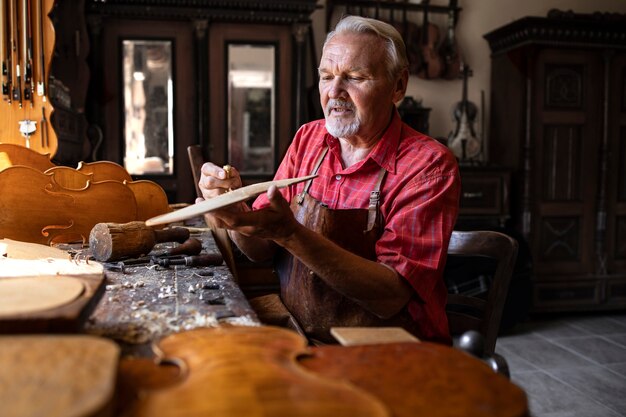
(355,78)
(326,77)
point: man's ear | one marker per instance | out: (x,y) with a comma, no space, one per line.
(400,85)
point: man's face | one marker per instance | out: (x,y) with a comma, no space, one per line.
(355,91)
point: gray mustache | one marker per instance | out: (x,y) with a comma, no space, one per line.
(338,103)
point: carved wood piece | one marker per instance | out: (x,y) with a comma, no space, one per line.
(421,379)
(56,376)
(224,200)
(231,371)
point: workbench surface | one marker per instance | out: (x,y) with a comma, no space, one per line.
(147,302)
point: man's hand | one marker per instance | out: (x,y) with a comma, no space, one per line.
(215,180)
(275,222)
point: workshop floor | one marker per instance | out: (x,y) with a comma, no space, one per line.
(570,366)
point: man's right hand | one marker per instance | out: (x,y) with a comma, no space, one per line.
(215,180)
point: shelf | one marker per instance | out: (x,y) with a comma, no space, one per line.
(391,5)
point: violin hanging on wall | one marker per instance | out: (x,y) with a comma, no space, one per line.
(432,66)
(26,44)
(449,48)
(464,142)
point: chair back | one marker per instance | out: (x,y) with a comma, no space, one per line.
(482,314)
(196,160)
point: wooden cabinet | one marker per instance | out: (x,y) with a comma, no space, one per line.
(201,38)
(558,118)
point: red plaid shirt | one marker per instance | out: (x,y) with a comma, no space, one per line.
(419,204)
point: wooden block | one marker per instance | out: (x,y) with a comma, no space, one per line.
(353,336)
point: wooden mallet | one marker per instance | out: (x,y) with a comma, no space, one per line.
(110,242)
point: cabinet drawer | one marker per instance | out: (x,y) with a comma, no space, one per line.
(483,195)
(567,295)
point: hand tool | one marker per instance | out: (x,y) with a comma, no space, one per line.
(232,197)
(115,241)
(208,259)
(191,246)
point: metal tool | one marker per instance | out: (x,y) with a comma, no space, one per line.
(208,259)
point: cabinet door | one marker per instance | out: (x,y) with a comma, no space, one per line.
(251,99)
(567,133)
(149,96)
(616,168)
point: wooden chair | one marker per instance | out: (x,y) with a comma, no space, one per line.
(196,160)
(483,315)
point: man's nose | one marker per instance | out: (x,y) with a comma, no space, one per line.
(336,88)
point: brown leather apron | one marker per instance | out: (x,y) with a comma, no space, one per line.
(315,305)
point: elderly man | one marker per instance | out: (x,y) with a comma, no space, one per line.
(364,243)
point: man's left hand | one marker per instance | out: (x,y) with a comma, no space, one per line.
(275,222)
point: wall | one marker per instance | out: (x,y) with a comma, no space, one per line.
(477,18)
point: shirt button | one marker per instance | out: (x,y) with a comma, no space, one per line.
(337,177)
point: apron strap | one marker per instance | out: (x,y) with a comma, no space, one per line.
(307,185)
(372,209)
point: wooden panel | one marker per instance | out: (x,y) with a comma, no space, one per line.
(560,239)
(561,163)
(616,291)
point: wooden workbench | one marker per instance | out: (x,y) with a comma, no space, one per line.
(147,302)
(191,345)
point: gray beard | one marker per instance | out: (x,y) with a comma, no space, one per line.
(337,128)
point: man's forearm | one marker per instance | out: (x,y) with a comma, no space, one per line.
(256,249)
(374,286)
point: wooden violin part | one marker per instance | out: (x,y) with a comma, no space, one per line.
(12,154)
(57,376)
(150,197)
(35,208)
(224,200)
(247,371)
(26,47)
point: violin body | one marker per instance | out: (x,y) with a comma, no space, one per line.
(51,204)
(36,208)
(464,142)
